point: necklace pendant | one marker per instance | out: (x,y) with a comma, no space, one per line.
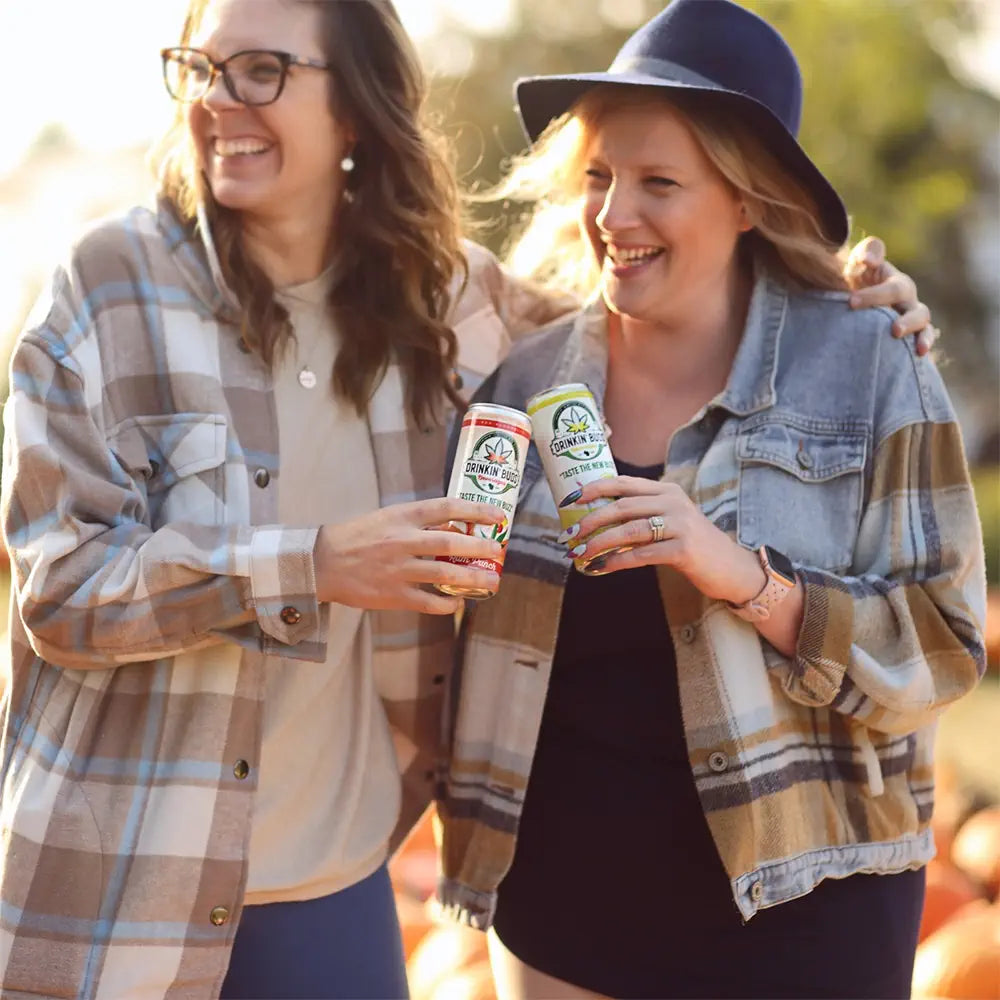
(307,379)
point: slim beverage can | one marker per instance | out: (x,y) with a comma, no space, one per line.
(569,435)
(489,463)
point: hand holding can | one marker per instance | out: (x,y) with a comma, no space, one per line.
(569,435)
(489,463)
(385,559)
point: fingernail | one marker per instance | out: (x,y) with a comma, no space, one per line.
(571,498)
(871,260)
(578,551)
(855,301)
(571,532)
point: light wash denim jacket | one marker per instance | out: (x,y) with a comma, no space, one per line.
(835,444)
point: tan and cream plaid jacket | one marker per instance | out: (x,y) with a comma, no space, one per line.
(151,584)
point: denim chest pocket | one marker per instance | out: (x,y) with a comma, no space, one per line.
(179,460)
(800,490)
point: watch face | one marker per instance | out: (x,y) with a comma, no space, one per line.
(781,564)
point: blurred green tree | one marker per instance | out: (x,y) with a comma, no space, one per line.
(907,140)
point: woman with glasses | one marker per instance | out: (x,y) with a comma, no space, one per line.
(225,449)
(226,437)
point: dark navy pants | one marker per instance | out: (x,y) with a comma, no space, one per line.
(345,946)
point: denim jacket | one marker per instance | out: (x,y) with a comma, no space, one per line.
(837,445)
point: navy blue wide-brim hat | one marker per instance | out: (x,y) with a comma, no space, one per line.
(706,46)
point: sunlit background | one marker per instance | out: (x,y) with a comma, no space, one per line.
(91,67)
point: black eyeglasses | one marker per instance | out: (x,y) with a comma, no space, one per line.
(254,76)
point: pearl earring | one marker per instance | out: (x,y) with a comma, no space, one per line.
(347,164)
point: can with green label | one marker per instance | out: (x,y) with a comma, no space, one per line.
(569,434)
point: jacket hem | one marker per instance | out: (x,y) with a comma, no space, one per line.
(781,881)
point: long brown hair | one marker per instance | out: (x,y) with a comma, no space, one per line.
(787,237)
(397,245)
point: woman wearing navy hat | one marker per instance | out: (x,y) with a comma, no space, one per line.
(707,771)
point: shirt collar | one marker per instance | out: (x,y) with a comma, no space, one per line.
(194,252)
(750,386)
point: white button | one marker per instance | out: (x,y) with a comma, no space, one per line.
(307,379)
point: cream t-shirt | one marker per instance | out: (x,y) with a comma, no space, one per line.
(328,787)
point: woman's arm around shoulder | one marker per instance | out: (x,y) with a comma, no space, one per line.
(875,281)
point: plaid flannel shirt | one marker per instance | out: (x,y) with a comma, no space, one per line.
(837,445)
(151,584)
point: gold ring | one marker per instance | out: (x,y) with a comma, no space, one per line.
(656,526)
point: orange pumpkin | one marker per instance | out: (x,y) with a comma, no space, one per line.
(414,873)
(948,890)
(974,909)
(961,960)
(445,950)
(976,849)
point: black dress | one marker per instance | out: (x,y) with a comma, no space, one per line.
(616,885)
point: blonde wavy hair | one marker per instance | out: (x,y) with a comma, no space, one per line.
(397,243)
(550,247)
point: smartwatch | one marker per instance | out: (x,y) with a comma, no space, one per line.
(780,582)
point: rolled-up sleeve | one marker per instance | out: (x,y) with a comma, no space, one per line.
(283,587)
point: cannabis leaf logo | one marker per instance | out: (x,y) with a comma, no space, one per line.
(498,451)
(575,419)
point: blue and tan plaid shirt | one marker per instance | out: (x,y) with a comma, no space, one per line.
(835,444)
(151,585)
